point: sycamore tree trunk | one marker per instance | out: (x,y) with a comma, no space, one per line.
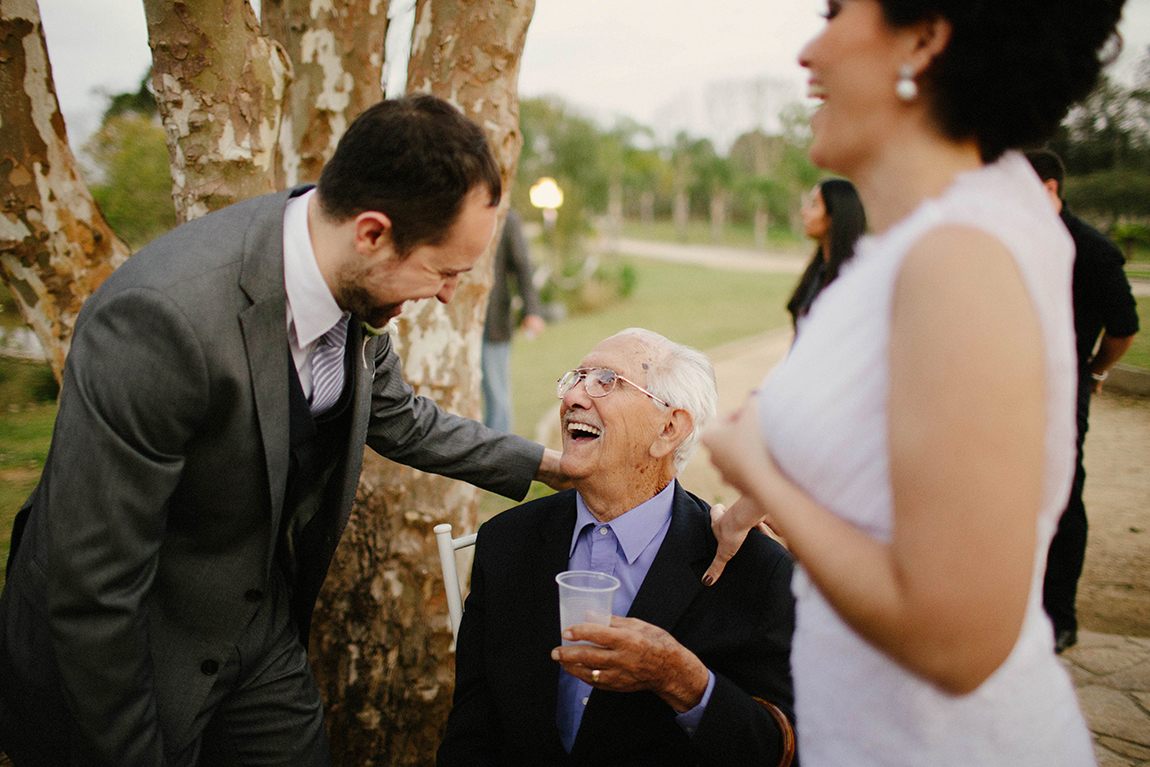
(55,246)
(220,84)
(381,640)
(337,49)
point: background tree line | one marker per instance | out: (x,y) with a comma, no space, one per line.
(1105,143)
(616,173)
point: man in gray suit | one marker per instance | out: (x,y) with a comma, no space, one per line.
(219,392)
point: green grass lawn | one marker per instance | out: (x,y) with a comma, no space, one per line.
(1139,353)
(24,438)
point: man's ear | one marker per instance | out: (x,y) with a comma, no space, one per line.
(676,429)
(1052,192)
(372,232)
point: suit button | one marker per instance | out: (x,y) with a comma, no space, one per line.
(253,595)
(209,667)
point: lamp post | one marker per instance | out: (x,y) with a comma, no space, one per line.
(547,196)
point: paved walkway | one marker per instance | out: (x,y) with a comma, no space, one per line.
(716,256)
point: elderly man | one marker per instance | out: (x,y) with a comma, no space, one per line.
(676,681)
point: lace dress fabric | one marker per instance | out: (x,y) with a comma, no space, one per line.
(824,418)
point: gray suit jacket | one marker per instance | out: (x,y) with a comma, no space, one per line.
(152,533)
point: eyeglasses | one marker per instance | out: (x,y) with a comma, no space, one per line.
(599,383)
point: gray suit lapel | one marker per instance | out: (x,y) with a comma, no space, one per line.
(264,327)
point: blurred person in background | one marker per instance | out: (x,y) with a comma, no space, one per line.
(1105,322)
(833,217)
(511,258)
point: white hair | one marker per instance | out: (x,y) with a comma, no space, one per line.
(685,378)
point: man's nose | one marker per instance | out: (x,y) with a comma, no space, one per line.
(577,395)
(448,290)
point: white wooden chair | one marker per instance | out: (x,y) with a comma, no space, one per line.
(447,548)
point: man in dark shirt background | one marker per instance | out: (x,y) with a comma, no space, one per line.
(1103,306)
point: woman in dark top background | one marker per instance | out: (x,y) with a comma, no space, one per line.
(833,217)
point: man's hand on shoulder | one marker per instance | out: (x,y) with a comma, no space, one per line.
(634,655)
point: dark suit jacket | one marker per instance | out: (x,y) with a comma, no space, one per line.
(152,533)
(507,685)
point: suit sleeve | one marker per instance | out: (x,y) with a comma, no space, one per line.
(734,723)
(472,736)
(134,389)
(414,431)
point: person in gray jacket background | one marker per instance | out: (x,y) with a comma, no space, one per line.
(511,258)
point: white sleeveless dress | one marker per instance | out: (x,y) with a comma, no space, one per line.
(824,418)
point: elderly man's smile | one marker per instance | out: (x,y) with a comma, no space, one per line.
(582,432)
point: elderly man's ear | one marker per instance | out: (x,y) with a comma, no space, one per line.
(678,427)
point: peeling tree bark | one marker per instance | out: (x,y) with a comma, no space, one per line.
(337,50)
(220,85)
(381,647)
(55,246)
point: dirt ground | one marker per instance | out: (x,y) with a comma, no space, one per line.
(1114,593)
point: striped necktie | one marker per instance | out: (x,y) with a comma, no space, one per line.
(327,367)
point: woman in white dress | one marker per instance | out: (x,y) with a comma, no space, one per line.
(917,444)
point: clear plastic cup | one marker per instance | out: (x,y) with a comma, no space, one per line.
(585,596)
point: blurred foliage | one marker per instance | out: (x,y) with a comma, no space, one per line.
(1110,193)
(24,383)
(1131,236)
(1105,145)
(135,188)
(142,102)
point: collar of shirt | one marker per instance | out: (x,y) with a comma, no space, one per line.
(311,308)
(634,529)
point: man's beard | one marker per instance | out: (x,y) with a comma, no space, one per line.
(354,298)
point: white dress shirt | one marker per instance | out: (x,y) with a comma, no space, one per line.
(311,308)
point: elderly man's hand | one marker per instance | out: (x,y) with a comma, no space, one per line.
(633,655)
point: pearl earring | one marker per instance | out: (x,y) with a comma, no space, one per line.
(906,88)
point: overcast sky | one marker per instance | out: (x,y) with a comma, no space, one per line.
(610,57)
